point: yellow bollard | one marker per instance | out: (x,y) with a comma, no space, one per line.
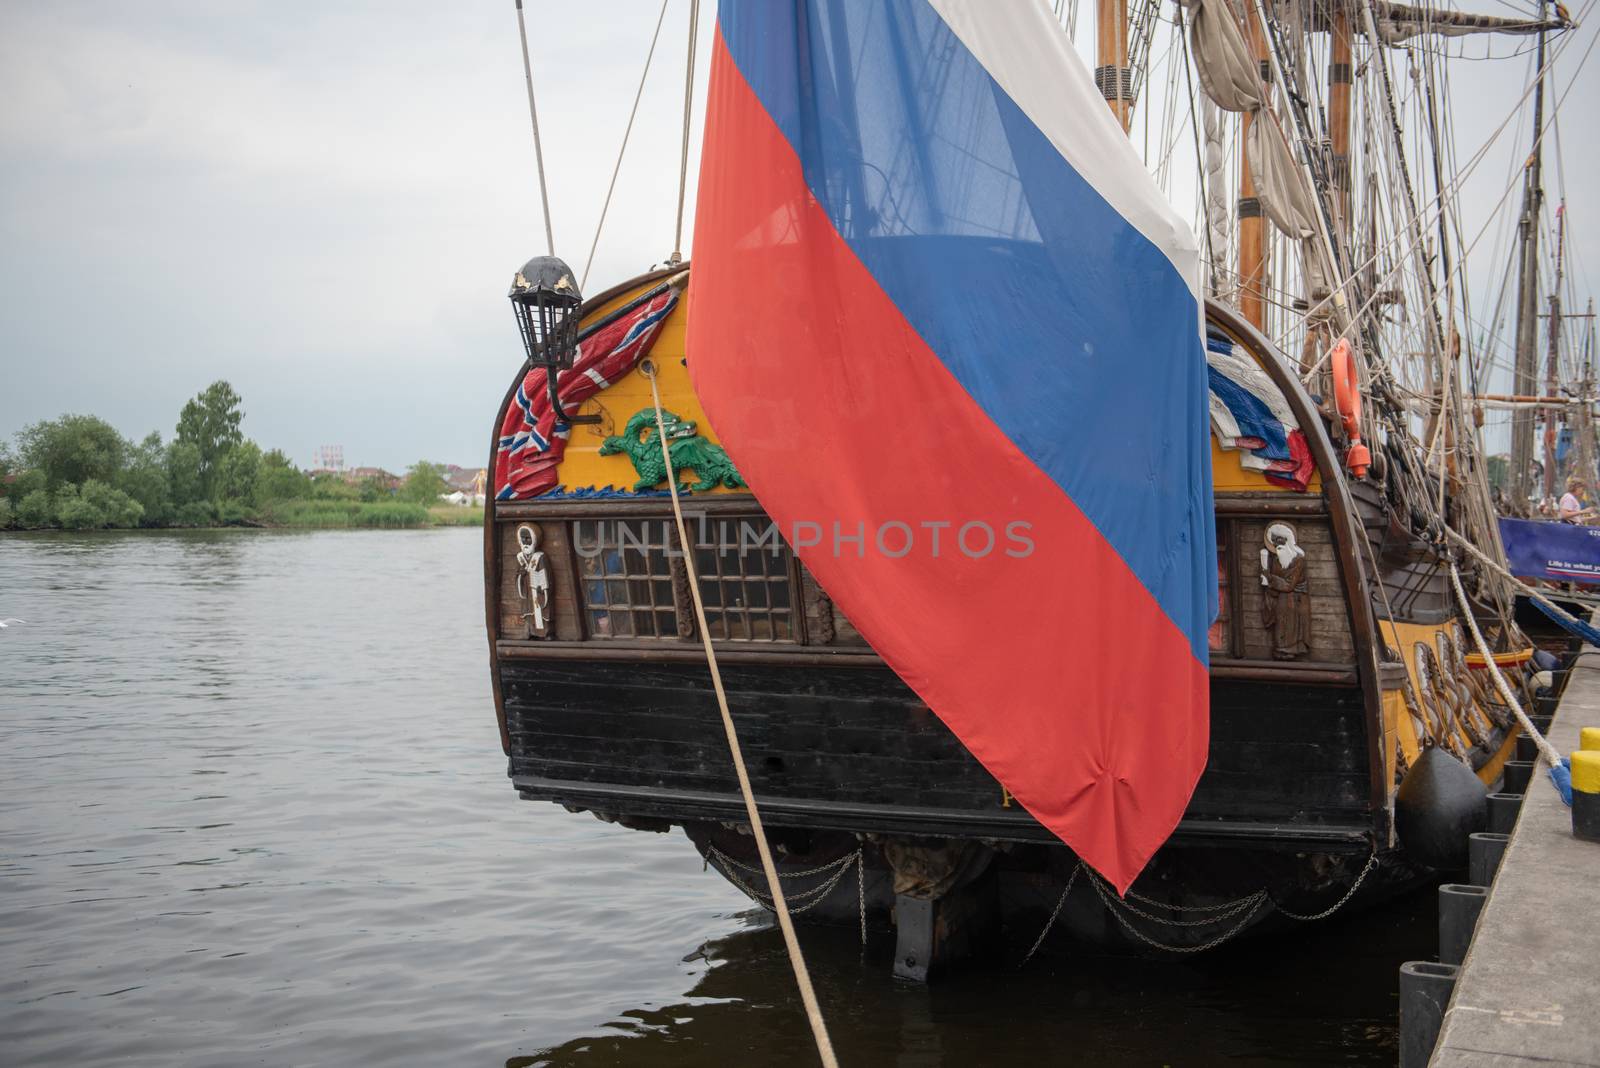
(1589,739)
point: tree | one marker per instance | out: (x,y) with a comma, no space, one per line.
(35,510)
(7,513)
(330,486)
(73,448)
(145,479)
(424,482)
(279,480)
(116,508)
(236,474)
(183,474)
(25,483)
(210,423)
(372,488)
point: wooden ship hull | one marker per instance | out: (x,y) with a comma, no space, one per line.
(876,811)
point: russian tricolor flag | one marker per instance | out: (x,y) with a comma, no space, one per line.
(949,330)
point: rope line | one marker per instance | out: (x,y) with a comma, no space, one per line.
(1559,614)
(1546,750)
(628,131)
(780,907)
(688,109)
(538,145)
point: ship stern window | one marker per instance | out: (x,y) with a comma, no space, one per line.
(746,575)
(625,576)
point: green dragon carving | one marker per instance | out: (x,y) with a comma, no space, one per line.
(689,452)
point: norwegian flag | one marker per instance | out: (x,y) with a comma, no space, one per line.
(531,439)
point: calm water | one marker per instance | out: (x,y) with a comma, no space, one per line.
(253,811)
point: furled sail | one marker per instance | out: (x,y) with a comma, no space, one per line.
(949,329)
(1222,59)
(1400,22)
(1280,183)
(1233,81)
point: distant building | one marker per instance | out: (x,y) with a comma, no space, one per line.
(468,482)
(383,478)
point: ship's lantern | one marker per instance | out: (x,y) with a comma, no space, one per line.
(545,299)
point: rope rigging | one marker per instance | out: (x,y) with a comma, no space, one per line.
(780,907)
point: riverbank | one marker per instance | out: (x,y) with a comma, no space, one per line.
(322,514)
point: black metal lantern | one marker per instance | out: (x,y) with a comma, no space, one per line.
(546,302)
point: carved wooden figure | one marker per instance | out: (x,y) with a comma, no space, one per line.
(1285,593)
(533,581)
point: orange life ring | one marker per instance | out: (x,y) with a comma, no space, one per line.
(1347,398)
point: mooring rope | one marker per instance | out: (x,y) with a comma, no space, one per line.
(1548,751)
(780,907)
(1560,615)
(538,145)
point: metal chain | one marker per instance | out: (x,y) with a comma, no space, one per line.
(1062,900)
(830,866)
(1109,902)
(1237,907)
(861,893)
(1337,905)
(1225,909)
(812,896)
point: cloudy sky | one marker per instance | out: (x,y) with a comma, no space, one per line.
(323,202)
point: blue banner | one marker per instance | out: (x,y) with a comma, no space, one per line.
(1560,552)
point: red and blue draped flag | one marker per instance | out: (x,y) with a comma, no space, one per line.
(949,330)
(532,440)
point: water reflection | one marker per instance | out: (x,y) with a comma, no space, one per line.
(1326,997)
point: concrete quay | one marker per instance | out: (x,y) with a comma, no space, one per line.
(1528,992)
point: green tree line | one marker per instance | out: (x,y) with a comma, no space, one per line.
(78,473)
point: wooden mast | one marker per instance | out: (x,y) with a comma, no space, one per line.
(1111,74)
(1339,84)
(1523,380)
(1252,227)
(1552,370)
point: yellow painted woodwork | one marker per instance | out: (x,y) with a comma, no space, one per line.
(1404,637)
(1397,724)
(1229,476)
(1586,771)
(582,466)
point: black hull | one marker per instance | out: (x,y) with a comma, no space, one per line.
(853,749)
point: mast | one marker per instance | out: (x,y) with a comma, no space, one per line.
(1523,380)
(1339,85)
(1583,460)
(1111,74)
(1552,370)
(1252,227)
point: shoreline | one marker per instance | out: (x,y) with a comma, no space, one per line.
(444,517)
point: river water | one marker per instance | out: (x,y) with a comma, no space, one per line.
(253,810)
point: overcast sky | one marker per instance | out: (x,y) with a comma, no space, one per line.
(324,202)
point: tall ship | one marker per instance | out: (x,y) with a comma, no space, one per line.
(1345,615)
